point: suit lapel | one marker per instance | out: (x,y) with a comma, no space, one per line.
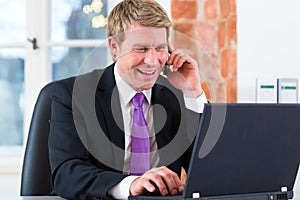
(108,110)
(160,119)
(167,105)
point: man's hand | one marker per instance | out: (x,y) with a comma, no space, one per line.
(184,74)
(161,180)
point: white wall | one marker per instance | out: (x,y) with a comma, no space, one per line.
(268,43)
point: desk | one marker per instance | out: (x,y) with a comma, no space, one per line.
(32,198)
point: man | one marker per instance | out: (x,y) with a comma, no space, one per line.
(93,115)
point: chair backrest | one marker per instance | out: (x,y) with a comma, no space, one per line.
(36,173)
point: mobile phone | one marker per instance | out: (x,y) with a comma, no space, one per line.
(167,67)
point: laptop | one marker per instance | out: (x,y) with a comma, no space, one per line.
(243,152)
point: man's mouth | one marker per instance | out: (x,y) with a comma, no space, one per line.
(147,72)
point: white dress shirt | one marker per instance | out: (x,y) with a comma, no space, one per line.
(126,93)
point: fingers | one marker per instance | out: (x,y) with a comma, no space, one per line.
(184,74)
(141,185)
(166,181)
(161,180)
(178,59)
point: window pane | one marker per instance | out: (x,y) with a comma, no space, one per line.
(11,96)
(13,20)
(69,22)
(68,62)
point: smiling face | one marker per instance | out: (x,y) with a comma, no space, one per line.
(141,56)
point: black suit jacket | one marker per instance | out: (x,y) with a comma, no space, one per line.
(86,142)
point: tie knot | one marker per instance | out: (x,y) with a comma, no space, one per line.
(138,99)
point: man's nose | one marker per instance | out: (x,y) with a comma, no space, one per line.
(151,57)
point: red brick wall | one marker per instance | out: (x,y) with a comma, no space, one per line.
(207,30)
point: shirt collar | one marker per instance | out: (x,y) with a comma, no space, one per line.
(126,92)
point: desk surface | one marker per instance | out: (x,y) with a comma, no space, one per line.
(32,198)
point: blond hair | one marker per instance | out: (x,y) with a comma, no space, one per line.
(144,12)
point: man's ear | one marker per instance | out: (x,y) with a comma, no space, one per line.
(114,49)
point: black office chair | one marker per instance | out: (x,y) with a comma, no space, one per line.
(36,173)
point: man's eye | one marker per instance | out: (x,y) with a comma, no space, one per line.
(140,50)
(161,49)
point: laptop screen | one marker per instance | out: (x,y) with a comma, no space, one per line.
(245,148)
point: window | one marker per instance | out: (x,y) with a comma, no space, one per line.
(12,54)
(72,24)
(64,38)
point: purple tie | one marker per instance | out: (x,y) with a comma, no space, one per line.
(140,141)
